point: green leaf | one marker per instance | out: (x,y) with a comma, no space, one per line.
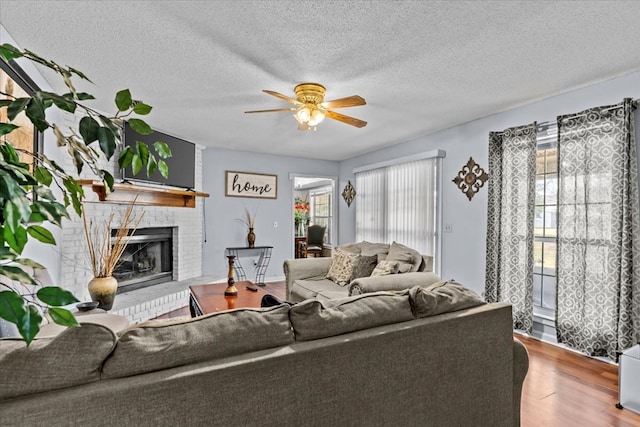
(43,176)
(35,112)
(162,149)
(60,101)
(163,168)
(30,324)
(84,96)
(6,128)
(80,96)
(140,126)
(75,192)
(12,307)
(136,164)
(143,151)
(141,108)
(107,141)
(107,178)
(11,215)
(55,296)
(16,107)
(17,274)
(89,129)
(110,124)
(16,240)
(151,165)
(29,263)
(79,74)
(125,157)
(40,233)
(9,52)
(49,211)
(63,317)
(123,100)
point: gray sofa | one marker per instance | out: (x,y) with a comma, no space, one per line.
(378,359)
(307,277)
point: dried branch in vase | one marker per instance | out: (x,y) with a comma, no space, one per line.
(105,250)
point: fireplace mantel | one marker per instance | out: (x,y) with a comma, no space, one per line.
(143,195)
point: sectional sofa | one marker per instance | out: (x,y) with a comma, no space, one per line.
(422,357)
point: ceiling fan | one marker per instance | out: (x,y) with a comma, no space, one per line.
(311,108)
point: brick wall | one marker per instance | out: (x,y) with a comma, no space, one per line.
(187,224)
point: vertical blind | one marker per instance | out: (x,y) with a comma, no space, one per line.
(398,203)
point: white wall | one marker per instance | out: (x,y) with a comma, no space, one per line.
(463,250)
(221,228)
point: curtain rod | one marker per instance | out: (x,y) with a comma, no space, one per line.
(550,124)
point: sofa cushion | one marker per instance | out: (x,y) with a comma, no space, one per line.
(73,357)
(314,319)
(363,266)
(153,345)
(442,297)
(379,249)
(409,259)
(354,248)
(385,268)
(341,268)
(305,289)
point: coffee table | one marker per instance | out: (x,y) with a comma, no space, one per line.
(210,298)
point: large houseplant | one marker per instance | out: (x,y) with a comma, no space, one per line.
(26,188)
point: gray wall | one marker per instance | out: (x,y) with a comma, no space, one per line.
(463,250)
(221,228)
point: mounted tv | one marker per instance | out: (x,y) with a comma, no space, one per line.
(182,163)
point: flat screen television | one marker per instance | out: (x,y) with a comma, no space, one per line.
(182,163)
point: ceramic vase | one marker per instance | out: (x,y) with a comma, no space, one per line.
(251,238)
(103,290)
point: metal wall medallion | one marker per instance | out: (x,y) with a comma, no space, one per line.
(471,178)
(349,193)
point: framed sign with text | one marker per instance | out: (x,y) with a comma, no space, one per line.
(255,185)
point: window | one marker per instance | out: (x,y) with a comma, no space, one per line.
(399,203)
(14,83)
(545,225)
(320,201)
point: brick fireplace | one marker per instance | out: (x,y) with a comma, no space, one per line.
(185,224)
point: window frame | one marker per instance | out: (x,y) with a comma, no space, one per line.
(547,139)
(22,79)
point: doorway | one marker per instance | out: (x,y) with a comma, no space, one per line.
(314,203)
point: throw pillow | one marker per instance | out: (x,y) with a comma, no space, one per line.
(363,266)
(385,268)
(341,267)
(409,259)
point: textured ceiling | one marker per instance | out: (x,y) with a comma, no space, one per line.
(421,66)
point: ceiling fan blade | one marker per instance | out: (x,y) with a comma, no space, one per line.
(346,119)
(350,101)
(283,97)
(303,126)
(271,111)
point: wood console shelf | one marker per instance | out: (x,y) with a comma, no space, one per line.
(148,196)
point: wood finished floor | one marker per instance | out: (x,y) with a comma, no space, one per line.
(562,388)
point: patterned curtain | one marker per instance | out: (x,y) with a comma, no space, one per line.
(598,309)
(510,211)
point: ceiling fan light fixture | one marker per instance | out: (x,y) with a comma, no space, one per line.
(311,109)
(316,117)
(303,114)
